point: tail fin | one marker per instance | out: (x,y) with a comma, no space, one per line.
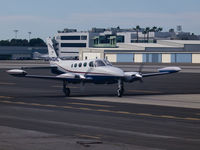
(51,50)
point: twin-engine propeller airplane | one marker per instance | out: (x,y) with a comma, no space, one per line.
(98,71)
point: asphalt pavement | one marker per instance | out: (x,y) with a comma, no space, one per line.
(34,114)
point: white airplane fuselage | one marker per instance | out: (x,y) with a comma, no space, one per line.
(99,73)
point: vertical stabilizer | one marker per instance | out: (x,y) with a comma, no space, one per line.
(51,50)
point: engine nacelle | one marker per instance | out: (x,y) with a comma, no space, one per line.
(17,72)
(132,76)
(68,75)
(170,69)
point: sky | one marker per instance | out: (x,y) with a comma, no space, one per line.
(44,18)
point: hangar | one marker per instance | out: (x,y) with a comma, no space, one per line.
(20,52)
(164,51)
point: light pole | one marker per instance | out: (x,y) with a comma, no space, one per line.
(29,36)
(16,31)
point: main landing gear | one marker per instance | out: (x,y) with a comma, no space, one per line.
(120,90)
(66,90)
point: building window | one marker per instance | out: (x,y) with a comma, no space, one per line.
(70,37)
(73,44)
(120,39)
(85,64)
(181,58)
(80,64)
(85,57)
(129,57)
(152,58)
(84,37)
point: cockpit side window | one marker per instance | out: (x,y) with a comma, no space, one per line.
(91,64)
(99,63)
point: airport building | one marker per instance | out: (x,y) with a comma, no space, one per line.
(70,41)
(127,45)
(20,52)
(164,51)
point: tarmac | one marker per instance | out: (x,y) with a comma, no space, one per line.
(161,113)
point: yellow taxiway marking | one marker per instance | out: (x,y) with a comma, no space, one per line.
(87,136)
(123,112)
(95,105)
(35,104)
(169,117)
(7,83)
(145,91)
(7,97)
(103,110)
(193,119)
(9,102)
(145,114)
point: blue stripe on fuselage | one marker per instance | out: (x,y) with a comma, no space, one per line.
(98,79)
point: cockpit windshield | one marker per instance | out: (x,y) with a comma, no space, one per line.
(107,62)
(99,63)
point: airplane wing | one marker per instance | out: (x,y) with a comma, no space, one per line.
(163,71)
(64,76)
(134,76)
(41,67)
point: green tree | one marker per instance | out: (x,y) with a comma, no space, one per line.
(144,33)
(37,42)
(159,29)
(4,43)
(137,30)
(154,29)
(147,29)
(19,42)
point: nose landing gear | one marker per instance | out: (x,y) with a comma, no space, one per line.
(66,90)
(120,90)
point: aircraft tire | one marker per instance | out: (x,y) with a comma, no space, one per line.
(119,93)
(67,92)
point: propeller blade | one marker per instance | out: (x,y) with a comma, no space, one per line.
(141,68)
(140,73)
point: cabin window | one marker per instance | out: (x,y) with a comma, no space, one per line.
(85,64)
(72,66)
(75,65)
(91,64)
(80,64)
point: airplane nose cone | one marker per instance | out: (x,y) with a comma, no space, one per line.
(116,72)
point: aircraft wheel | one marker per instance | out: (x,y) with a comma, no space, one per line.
(67,92)
(119,92)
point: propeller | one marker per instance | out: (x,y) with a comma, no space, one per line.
(139,75)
